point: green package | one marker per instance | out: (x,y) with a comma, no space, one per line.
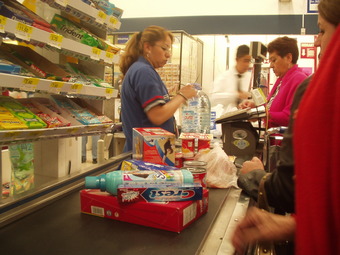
(69,30)
(22,177)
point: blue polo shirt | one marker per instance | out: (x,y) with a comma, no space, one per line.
(142,89)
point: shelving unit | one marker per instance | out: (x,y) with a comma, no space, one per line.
(58,149)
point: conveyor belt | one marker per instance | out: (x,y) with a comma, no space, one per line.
(60,228)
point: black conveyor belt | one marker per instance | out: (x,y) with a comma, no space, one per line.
(60,228)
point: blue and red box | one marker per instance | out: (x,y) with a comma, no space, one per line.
(154,145)
(170,216)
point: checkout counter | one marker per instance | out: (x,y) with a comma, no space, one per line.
(60,228)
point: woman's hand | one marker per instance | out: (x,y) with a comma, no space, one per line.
(188,91)
(254,163)
(246,104)
(260,225)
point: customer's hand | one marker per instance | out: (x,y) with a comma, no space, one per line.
(254,163)
(260,225)
(246,104)
(188,91)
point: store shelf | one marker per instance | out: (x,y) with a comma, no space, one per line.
(24,83)
(87,13)
(8,137)
(67,46)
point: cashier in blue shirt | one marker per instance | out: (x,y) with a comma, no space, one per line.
(144,97)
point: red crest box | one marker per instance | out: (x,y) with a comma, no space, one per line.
(154,145)
(171,216)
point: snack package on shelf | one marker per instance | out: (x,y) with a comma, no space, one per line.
(22,113)
(38,22)
(80,114)
(8,67)
(9,121)
(81,77)
(171,216)
(12,13)
(51,118)
(54,108)
(86,105)
(72,31)
(33,62)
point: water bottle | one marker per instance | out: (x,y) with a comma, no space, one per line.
(109,182)
(196,114)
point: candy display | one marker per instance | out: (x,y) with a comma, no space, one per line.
(21,113)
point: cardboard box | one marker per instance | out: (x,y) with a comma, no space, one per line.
(154,145)
(171,216)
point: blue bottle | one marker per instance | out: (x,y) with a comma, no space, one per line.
(110,181)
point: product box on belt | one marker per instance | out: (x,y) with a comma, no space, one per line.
(171,216)
(154,145)
(135,164)
(159,193)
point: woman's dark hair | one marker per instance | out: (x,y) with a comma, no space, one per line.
(330,11)
(283,46)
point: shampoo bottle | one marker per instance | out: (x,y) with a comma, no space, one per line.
(110,181)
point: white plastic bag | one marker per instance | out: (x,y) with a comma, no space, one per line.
(221,172)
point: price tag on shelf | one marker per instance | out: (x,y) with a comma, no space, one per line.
(113,21)
(29,84)
(96,53)
(73,130)
(76,88)
(108,57)
(56,86)
(55,40)
(101,17)
(3,21)
(108,93)
(23,31)
(63,3)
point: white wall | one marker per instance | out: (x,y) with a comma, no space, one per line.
(214,60)
(152,8)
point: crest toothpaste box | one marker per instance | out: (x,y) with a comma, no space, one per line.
(170,216)
(159,193)
(154,145)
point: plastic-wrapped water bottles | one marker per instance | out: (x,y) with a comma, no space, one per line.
(197,113)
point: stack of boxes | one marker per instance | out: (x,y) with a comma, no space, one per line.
(169,206)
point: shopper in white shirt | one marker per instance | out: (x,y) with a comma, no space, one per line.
(233,85)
